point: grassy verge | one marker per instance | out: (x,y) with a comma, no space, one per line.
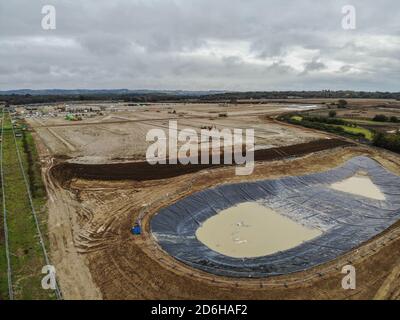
(358,131)
(32,167)
(26,254)
(3,261)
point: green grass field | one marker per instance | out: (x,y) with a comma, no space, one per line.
(3,261)
(26,255)
(359,130)
(353,130)
(297,118)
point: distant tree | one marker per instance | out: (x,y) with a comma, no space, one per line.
(379,139)
(332,114)
(388,141)
(394,119)
(380,118)
(342,103)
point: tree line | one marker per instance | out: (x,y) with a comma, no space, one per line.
(193,97)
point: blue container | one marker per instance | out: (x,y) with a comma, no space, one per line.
(136,230)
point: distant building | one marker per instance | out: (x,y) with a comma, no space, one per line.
(80,109)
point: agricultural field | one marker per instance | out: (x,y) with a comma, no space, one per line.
(335,125)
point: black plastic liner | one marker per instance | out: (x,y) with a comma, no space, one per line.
(346,220)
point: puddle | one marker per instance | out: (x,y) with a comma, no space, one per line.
(252,230)
(361,185)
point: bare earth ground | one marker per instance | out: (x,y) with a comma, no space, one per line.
(122,135)
(94,251)
(96,257)
(72,271)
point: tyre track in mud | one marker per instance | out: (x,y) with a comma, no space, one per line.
(137,269)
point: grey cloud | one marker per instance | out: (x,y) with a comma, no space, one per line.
(104,43)
(200,44)
(314,65)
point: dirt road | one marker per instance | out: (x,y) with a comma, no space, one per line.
(72,271)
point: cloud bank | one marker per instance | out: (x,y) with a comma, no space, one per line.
(200,45)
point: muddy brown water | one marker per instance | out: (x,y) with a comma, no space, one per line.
(361,185)
(252,230)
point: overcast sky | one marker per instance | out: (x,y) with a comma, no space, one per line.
(200,45)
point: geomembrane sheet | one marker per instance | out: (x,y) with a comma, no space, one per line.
(346,220)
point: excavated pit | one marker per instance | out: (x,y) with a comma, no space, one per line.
(319,201)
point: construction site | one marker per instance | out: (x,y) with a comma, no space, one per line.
(118,227)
